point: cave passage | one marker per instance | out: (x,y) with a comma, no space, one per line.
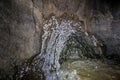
(59,40)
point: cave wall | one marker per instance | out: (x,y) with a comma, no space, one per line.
(100,17)
(21,25)
(19,34)
(105,24)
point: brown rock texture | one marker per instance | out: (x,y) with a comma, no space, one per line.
(21,26)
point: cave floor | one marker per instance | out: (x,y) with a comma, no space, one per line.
(91,70)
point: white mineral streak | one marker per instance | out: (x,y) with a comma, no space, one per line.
(94,40)
(54,37)
(86,34)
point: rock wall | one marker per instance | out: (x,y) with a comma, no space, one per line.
(19,33)
(21,26)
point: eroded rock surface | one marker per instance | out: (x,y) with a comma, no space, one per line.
(93,33)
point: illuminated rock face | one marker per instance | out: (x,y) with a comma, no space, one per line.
(64,39)
(68,52)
